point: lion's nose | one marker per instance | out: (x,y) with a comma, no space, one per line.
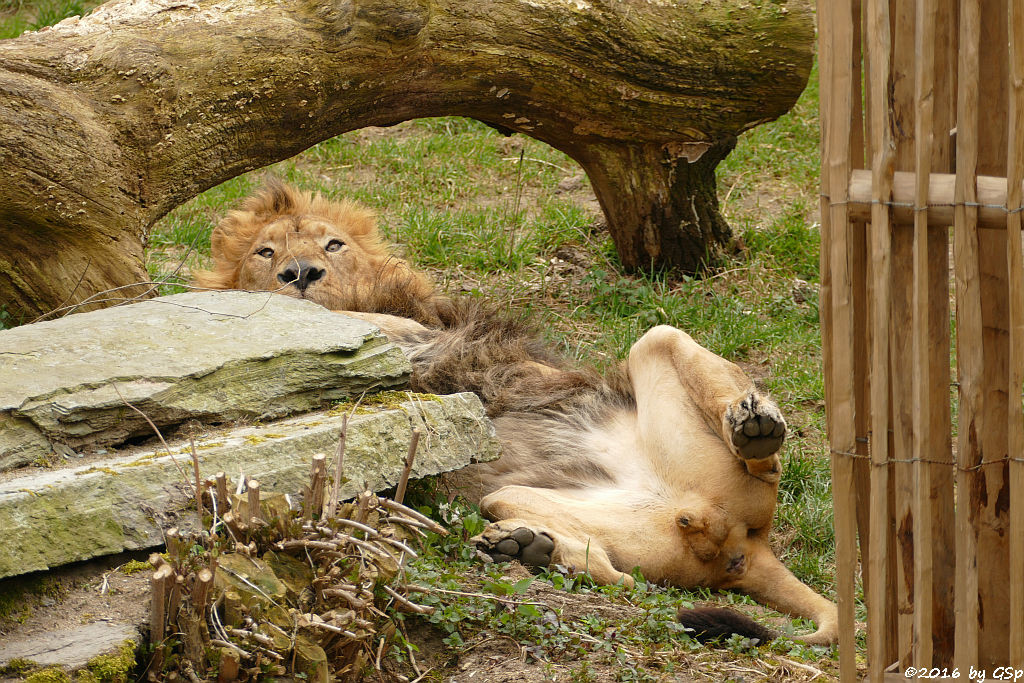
(300,274)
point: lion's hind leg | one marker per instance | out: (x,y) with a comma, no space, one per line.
(670,371)
(540,527)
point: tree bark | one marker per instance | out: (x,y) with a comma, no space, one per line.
(112,120)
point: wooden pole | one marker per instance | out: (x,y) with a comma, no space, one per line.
(941,466)
(195,476)
(253,490)
(223,500)
(969,333)
(991,194)
(1015,268)
(882,169)
(860,261)
(201,592)
(403,481)
(990,494)
(160,584)
(924,47)
(339,467)
(314,503)
(902,366)
(837,47)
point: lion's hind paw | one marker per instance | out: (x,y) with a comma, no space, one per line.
(756,426)
(503,542)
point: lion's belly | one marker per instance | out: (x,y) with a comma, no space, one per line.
(635,530)
(700,463)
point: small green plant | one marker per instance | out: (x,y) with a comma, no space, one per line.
(134,566)
(112,668)
(50,675)
(6,319)
(17,667)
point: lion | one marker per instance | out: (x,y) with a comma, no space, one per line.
(668,464)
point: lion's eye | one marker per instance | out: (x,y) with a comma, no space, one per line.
(334,245)
(266,252)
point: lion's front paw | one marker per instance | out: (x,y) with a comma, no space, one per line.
(509,540)
(756,426)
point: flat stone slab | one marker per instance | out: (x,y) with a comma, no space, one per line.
(53,517)
(71,649)
(211,356)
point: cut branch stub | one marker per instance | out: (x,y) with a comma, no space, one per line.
(112,120)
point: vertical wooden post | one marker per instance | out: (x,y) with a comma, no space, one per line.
(882,172)
(253,489)
(837,297)
(990,495)
(862,158)
(970,361)
(921,593)
(940,451)
(902,363)
(825,59)
(1015,291)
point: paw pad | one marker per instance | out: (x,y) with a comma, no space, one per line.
(523,544)
(757,426)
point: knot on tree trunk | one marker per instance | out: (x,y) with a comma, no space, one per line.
(393,21)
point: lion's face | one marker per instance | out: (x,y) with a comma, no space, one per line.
(329,252)
(310,258)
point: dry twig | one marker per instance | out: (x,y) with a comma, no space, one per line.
(339,468)
(403,482)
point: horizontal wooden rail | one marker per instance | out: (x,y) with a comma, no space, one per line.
(991,199)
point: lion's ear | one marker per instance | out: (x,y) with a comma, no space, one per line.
(359,221)
(229,243)
(232,236)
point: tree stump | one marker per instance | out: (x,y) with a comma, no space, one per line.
(112,120)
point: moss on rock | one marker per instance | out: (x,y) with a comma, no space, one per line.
(17,667)
(111,668)
(50,675)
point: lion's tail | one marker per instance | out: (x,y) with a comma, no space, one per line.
(712,623)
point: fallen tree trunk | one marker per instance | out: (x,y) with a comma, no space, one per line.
(112,120)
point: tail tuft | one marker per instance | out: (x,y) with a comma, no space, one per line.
(711,623)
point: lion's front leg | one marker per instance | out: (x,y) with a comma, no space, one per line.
(393,326)
(673,374)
